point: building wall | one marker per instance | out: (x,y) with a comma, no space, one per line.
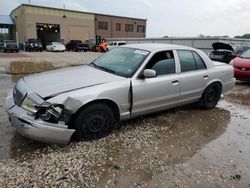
(72,23)
(26,18)
(18,16)
(111,30)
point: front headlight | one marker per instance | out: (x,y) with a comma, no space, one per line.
(29,105)
(49,112)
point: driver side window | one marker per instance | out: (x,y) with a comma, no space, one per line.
(163,63)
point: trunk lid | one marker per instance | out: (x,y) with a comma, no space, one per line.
(222,46)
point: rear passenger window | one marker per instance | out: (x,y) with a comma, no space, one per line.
(199,61)
(190,61)
(187,61)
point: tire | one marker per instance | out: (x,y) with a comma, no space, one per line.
(102,49)
(211,96)
(94,122)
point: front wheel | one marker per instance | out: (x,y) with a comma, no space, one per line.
(94,122)
(211,96)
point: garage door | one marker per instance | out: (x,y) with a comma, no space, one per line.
(78,33)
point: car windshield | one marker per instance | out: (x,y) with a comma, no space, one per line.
(56,43)
(121,61)
(10,42)
(246,54)
(77,41)
(34,41)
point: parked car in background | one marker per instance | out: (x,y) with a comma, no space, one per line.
(241,66)
(222,52)
(1,45)
(241,49)
(89,101)
(10,46)
(33,45)
(77,45)
(55,47)
(112,45)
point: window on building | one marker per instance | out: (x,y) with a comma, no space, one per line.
(118,27)
(103,25)
(4,30)
(141,29)
(4,34)
(190,61)
(129,28)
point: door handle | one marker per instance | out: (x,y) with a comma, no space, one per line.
(175,82)
(205,77)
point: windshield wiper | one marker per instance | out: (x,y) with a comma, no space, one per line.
(103,68)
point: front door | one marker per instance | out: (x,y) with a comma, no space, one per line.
(160,92)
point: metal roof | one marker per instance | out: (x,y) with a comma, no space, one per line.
(156,46)
(6,19)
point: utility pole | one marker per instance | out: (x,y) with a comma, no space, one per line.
(29,2)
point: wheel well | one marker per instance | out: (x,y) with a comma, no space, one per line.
(113,106)
(216,82)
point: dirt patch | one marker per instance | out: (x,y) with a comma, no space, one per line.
(12,55)
(240,94)
(30,66)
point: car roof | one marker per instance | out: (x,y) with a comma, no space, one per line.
(156,46)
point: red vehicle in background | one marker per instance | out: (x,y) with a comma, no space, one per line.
(100,44)
(241,66)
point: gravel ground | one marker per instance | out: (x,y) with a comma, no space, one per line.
(183,147)
(139,148)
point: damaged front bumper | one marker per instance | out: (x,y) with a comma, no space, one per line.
(36,129)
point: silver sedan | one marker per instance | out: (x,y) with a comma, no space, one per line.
(87,102)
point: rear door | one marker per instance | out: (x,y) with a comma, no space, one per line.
(193,77)
(161,92)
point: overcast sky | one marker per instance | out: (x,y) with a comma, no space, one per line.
(179,18)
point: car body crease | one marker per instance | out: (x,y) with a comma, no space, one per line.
(56,94)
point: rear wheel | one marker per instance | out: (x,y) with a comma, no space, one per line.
(211,96)
(94,122)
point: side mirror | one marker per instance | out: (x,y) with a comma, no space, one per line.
(149,73)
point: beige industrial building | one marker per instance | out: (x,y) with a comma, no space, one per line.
(53,24)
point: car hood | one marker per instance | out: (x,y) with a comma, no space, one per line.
(222,46)
(241,62)
(52,83)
